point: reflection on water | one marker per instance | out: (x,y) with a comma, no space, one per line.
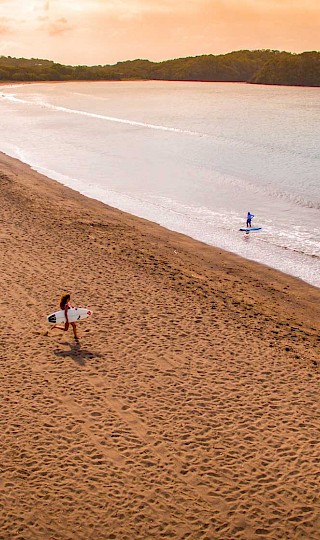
(195,157)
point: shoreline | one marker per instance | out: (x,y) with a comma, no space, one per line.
(190,406)
(65,181)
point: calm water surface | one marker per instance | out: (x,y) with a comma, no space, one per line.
(194,157)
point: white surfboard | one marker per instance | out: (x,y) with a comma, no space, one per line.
(74,315)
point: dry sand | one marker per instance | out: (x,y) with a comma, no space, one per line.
(189,409)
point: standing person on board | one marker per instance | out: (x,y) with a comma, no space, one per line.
(66,305)
(249,218)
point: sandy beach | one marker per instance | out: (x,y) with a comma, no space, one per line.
(189,409)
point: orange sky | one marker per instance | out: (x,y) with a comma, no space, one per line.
(108,31)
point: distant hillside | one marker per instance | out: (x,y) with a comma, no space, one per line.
(260,67)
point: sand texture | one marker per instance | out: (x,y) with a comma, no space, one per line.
(190,407)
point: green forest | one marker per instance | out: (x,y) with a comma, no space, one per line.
(257,67)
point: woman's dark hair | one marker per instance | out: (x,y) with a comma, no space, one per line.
(64,300)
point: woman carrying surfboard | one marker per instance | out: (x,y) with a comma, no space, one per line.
(65,305)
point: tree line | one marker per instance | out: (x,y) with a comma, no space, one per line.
(259,67)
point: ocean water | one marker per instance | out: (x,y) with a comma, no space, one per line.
(194,157)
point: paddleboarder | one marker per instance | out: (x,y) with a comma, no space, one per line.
(249,218)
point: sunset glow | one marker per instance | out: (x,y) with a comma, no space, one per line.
(107,31)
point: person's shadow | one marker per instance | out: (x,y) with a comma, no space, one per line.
(77,354)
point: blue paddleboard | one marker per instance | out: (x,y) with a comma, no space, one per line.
(248,229)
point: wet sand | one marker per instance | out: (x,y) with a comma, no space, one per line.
(189,409)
